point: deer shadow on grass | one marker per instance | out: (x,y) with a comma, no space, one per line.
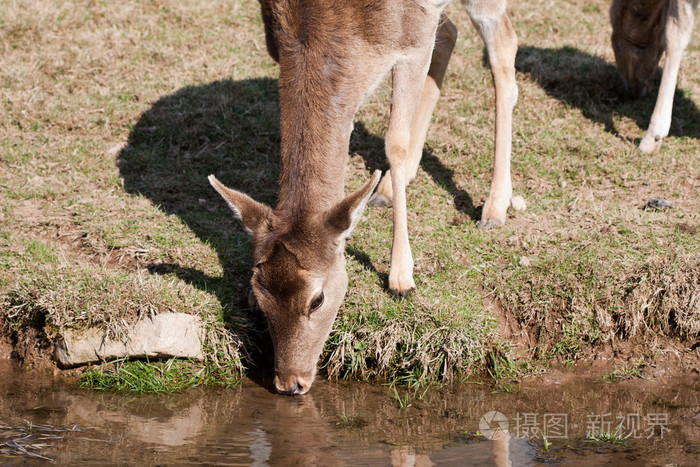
(230,129)
(595,86)
(227,128)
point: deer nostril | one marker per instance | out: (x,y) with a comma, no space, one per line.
(291,385)
(292,390)
(303,386)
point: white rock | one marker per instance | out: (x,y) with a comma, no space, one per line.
(518,203)
(116,149)
(160,336)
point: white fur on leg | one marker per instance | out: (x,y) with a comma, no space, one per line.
(679,28)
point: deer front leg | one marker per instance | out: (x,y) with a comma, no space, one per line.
(445,40)
(404,102)
(679,27)
(491,21)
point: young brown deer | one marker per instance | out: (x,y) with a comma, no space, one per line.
(332,54)
(642,31)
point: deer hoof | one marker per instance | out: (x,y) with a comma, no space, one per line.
(401,285)
(401,294)
(487,224)
(381,201)
(650,144)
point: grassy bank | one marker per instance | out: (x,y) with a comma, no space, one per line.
(113,117)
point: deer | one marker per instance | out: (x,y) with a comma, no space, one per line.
(642,31)
(332,54)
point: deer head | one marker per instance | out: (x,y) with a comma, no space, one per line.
(299,278)
(638,41)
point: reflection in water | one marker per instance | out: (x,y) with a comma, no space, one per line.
(351,424)
(259,448)
(501,450)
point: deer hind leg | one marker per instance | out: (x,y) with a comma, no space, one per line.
(679,27)
(491,21)
(445,40)
(404,104)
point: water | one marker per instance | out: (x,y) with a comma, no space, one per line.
(359,424)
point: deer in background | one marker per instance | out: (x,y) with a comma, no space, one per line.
(642,31)
(332,54)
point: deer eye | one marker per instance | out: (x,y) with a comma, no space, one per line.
(316,303)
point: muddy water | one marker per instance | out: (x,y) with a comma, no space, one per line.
(360,424)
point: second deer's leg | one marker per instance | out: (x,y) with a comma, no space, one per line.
(492,23)
(679,27)
(404,103)
(444,44)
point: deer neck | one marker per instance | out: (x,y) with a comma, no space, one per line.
(316,122)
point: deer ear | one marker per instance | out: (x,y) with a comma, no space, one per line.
(253,215)
(344,216)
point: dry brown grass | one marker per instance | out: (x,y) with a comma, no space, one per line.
(664,295)
(574,304)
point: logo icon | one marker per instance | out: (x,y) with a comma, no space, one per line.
(493,425)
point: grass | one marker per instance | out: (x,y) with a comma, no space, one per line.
(144,377)
(609,437)
(409,394)
(111,121)
(546,444)
(626,371)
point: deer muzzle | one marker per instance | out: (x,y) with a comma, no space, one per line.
(292,384)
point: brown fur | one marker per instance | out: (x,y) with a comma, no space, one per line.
(638,40)
(321,89)
(642,31)
(332,53)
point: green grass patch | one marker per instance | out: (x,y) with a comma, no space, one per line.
(608,437)
(144,377)
(626,371)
